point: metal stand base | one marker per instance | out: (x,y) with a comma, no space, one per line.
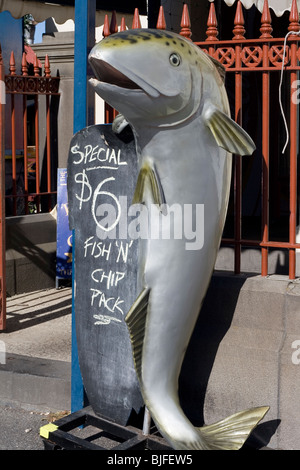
(83,430)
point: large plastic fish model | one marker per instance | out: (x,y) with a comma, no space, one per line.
(173,96)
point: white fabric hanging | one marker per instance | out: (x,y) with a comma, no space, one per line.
(279,6)
(40,11)
(43,10)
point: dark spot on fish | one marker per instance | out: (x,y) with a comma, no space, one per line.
(135,36)
(157,34)
(190,52)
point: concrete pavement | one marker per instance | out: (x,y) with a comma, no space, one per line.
(35,351)
(20,429)
(251,339)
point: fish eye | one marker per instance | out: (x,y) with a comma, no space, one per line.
(175,59)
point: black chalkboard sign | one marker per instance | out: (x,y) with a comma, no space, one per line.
(102,173)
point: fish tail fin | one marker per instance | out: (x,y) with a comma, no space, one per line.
(232,432)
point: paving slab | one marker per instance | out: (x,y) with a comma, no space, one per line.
(35,351)
(39,324)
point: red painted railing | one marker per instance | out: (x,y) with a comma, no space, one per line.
(24,197)
(28,195)
(265,56)
(2,204)
(240,56)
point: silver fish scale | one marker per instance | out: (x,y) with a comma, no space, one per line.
(136,35)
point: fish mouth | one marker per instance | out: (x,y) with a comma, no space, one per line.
(106,73)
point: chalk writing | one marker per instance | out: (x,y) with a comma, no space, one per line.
(82,179)
(95,248)
(110,303)
(93,154)
(123,250)
(105,319)
(102,174)
(95,177)
(111,278)
(86,194)
(98,192)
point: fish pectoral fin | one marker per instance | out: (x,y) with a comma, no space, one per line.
(136,322)
(119,124)
(148,175)
(227,133)
(232,432)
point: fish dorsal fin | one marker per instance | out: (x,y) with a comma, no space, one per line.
(221,69)
(148,174)
(227,133)
(136,322)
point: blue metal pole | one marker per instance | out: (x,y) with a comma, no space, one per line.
(84,40)
(83,116)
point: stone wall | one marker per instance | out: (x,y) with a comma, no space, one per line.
(30,253)
(60,49)
(242,355)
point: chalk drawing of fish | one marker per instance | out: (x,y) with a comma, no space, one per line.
(173,96)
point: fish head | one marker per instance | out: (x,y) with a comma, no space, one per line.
(150,76)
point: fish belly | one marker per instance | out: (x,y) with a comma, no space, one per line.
(177,288)
(177,277)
